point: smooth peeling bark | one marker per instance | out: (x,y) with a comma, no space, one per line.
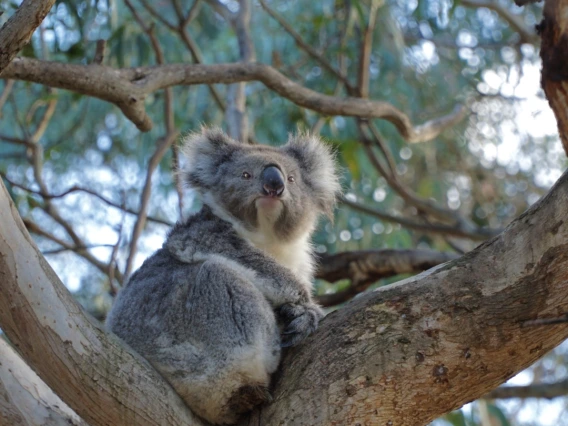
(24,399)
(409,352)
(102,380)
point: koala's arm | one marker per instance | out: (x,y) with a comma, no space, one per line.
(278,284)
(213,237)
(288,294)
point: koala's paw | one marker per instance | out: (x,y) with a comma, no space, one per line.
(301,320)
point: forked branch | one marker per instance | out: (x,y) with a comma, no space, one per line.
(128,87)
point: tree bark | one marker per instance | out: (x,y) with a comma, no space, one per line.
(409,352)
(401,355)
(18,30)
(364,267)
(103,381)
(554,54)
(25,399)
(128,87)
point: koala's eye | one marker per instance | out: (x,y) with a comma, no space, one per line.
(291,179)
(246,175)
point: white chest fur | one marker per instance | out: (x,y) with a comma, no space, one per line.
(295,255)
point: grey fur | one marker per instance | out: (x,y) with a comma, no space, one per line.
(206,308)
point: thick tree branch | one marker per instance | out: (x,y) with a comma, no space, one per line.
(18,30)
(429,337)
(24,399)
(406,353)
(127,88)
(86,367)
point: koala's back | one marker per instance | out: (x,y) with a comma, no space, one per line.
(205,328)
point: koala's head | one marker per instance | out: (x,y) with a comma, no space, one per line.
(263,188)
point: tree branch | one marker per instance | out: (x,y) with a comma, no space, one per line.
(86,367)
(235,114)
(80,250)
(127,88)
(553,52)
(478,234)
(87,191)
(18,30)
(543,390)
(409,352)
(377,359)
(365,55)
(365,267)
(307,48)
(162,146)
(527,34)
(26,400)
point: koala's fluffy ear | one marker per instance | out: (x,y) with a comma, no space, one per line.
(205,151)
(318,167)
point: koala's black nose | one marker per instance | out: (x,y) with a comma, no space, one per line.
(272,181)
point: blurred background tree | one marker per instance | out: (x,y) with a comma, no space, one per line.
(99,194)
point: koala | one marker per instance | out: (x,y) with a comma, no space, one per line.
(231,285)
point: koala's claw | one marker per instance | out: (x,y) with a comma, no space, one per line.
(303,320)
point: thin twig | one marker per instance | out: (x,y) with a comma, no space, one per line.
(87,191)
(99,52)
(8,86)
(69,248)
(191,14)
(154,13)
(480,234)
(112,266)
(546,321)
(541,390)
(162,147)
(81,250)
(365,56)
(307,48)
(527,34)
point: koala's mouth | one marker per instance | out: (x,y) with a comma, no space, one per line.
(268,204)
